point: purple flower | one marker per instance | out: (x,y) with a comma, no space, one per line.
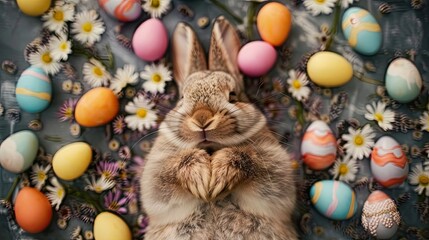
(131,189)
(107,169)
(124,152)
(142,222)
(114,202)
(66,111)
(119,124)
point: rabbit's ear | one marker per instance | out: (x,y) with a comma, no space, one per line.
(224,47)
(188,54)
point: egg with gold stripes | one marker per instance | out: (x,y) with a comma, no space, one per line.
(123,10)
(333,199)
(33,90)
(362,31)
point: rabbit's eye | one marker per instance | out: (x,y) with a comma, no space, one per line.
(233,97)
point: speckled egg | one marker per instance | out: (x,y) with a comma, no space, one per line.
(274,23)
(256,58)
(150,40)
(33,7)
(389,164)
(403,80)
(72,160)
(333,199)
(123,10)
(96,107)
(18,151)
(362,31)
(380,216)
(33,90)
(328,69)
(108,226)
(319,146)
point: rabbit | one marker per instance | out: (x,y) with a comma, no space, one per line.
(215,170)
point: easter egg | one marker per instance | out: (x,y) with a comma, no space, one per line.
(389,164)
(96,107)
(333,199)
(108,226)
(150,40)
(361,31)
(274,23)
(72,160)
(33,211)
(33,7)
(403,80)
(328,69)
(319,146)
(256,58)
(123,10)
(33,90)
(380,216)
(18,151)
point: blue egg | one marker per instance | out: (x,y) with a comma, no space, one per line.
(33,90)
(18,151)
(333,199)
(362,31)
(403,80)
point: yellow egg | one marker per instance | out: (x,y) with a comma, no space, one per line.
(274,22)
(34,7)
(328,69)
(72,160)
(108,226)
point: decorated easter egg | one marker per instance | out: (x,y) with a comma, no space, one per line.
(328,69)
(380,217)
(123,10)
(18,151)
(96,107)
(403,80)
(256,58)
(389,164)
(33,90)
(150,40)
(333,199)
(108,226)
(361,31)
(33,211)
(274,22)
(319,146)
(33,7)
(72,160)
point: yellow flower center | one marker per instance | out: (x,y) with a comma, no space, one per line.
(68,112)
(296,84)
(58,15)
(156,78)
(41,176)
(378,117)
(63,46)
(343,169)
(295,164)
(424,180)
(320,1)
(97,71)
(141,113)
(98,189)
(60,193)
(358,140)
(46,58)
(155,3)
(87,27)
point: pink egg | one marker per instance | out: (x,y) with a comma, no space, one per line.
(150,40)
(256,58)
(123,10)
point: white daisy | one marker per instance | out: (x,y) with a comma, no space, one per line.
(67,85)
(319,6)
(144,116)
(87,27)
(420,177)
(424,120)
(359,142)
(60,47)
(39,175)
(44,59)
(155,77)
(77,88)
(95,74)
(56,193)
(99,185)
(156,7)
(378,112)
(345,170)
(298,85)
(123,77)
(345,3)
(56,18)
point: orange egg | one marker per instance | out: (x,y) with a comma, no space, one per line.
(96,107)
(33,212)
(274,22)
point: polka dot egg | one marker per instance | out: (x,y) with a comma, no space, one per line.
(123,10)
(33,90)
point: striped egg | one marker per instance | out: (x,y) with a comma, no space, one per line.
(333,199)
(319,146)
(389,165)
(123,10)
(33,90)
(362,31)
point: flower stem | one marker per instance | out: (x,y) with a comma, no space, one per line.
(250,19)
(12,188)
(300,112)
(84,196)
(362,78)
(227,10)
(334,26)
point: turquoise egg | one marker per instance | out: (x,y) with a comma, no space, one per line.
(333,199)
(18,151)
(361,31)
(33,90)
(403,80)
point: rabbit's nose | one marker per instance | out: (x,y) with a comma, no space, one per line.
(202,118)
